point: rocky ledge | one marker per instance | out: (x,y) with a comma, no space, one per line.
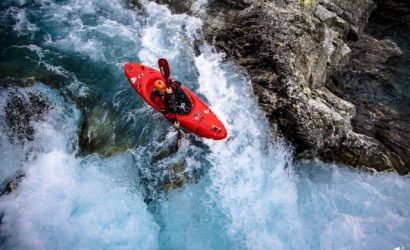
(295,51)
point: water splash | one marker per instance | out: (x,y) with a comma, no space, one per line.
(66,202)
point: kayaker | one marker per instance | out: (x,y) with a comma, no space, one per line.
(162,95)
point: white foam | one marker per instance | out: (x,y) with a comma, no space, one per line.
(93,39)
(249,177)
(167,36)
(245,166)
(349,230)
(64,202)
(23,26)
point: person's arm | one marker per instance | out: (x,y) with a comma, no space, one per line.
(170,116)
(161,105)
(174,85)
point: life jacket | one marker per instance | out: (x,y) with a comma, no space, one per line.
(177,103)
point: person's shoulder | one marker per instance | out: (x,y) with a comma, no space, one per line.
(175,85)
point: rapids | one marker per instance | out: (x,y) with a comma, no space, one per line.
(241,193)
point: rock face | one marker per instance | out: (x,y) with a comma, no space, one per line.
(291,49)
(376,78)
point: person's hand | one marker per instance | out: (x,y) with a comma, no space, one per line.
(169,90)
(176,124)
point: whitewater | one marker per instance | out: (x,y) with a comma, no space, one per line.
(245,192)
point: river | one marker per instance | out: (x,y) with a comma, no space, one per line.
(241,193)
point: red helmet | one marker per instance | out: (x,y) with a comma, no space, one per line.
(160,85)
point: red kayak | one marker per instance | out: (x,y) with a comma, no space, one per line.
(199,119)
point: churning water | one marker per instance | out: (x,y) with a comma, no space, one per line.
(240,193)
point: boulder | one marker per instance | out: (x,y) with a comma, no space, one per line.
(98,133)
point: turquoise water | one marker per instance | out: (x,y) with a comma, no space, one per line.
(242,193)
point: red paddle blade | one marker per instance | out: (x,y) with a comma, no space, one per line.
(164,68)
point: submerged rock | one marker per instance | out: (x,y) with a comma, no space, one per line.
(13,184)
(175,177)
(20,111)
(170,165)
(98,133)
(290,49)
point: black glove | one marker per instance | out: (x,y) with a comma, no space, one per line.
(177,84)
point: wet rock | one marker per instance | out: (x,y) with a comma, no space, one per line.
(369,81)
(164,153)
(166,167)
(175,177)
(163,177)
(391,19)
(376,78)
(98,133)
(173,174)
(300,54)
(178,6)
(13,184)
(324,15)
(20,111)
(356,13)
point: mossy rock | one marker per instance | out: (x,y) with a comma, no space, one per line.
(98,134)
(308,3)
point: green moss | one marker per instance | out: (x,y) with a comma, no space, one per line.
(303,84)
(116,149)
(308,3)
(307,90)
(99,135)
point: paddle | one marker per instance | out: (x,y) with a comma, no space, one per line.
(180,137)
(164,68)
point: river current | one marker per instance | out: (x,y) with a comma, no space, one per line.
(241,193)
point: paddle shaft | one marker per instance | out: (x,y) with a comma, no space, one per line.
(166,73)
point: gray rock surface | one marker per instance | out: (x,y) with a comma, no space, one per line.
(290,57)
(376,79)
